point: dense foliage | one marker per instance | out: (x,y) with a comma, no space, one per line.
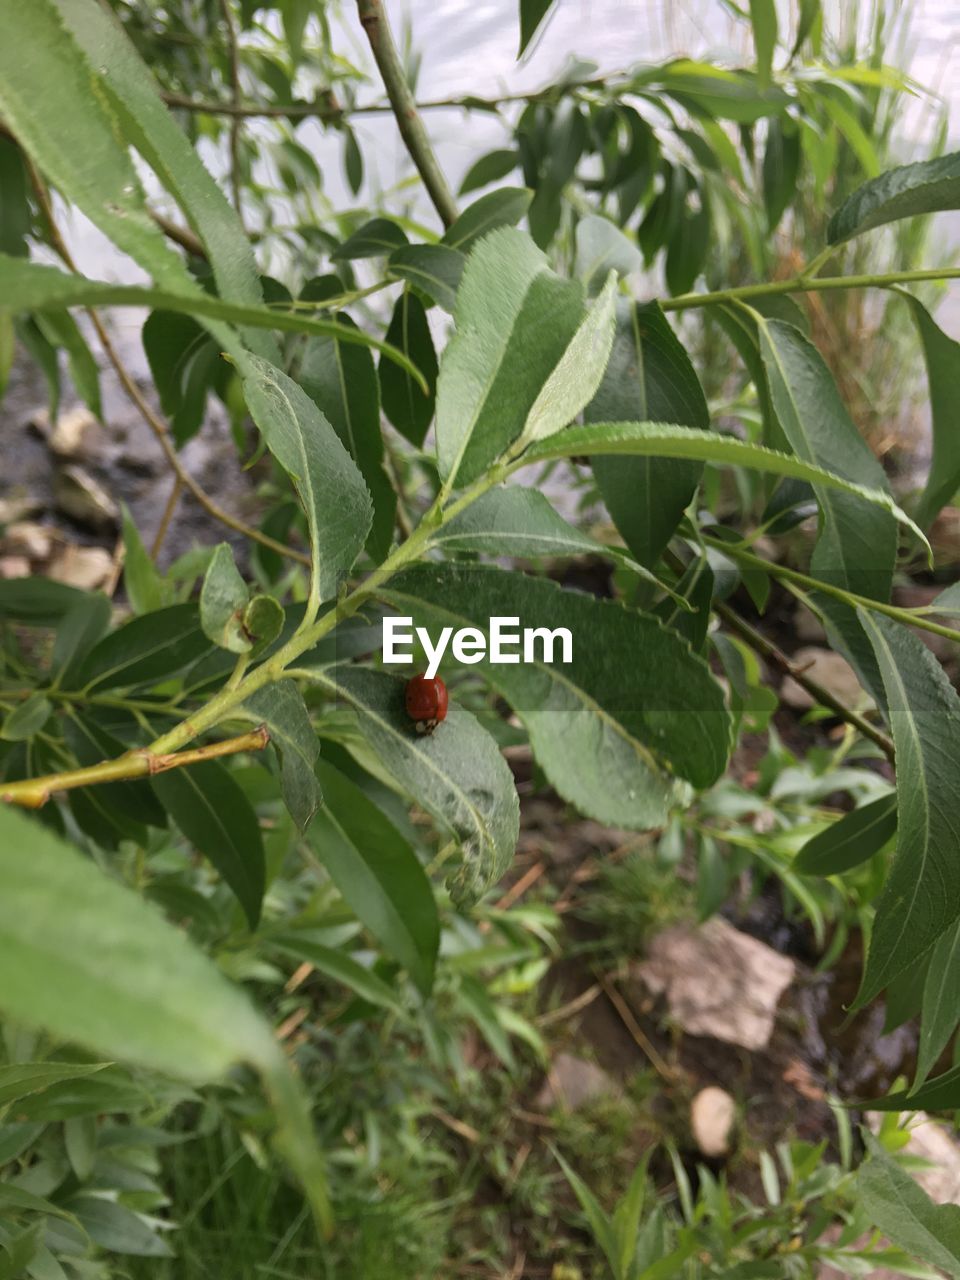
(211,779)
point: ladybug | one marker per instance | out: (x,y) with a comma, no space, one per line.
(426,702)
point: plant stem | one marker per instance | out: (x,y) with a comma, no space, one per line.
(805,283)
(33,793)
(175,491)
(760,644)
(373,19)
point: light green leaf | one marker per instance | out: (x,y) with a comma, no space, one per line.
(904,1212)
(86,960)
(649,378)
(501,208)
(921,896)
(514,521)
(213,812)
(942,356)
(434,269)
(514,320)
(263,620)
(342,968)
(60,329)
(601,248)
(378,875)
(577,375)
(32,286)
(655,439)
(375,239)
(141,581)
(115,1227)
(489,168)
(941,1003)
(223,598)
(600,1225)
(281,708)
(456,774)
(338,506)
(847,843)
(613,749)
(763,16)
(20,1079)
(911,189)
(727,95)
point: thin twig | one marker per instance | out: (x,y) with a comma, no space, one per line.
(182,236)
(636,1031)
(373,19)
(152,419)
(233,47)
(175,490)
(33,793)
(820,694)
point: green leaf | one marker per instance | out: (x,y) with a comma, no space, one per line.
(145,649)
(281,708)
(338,506)
(378,875)
(514,320)
(601,248)
(649,377)
(857,546)
(514,521)
(342,382)
(127,82)
(613,748)
(31,286)
(904,1212)
(655,439)
(342,968)
(432,268)
(149,997)
(352,160)
(781,167)
(185,363)
(38,602)
(942,356)
(115,1227)
(852,840)
(489,168)
(600,1225)
(921,895)
(141,581)
(375,239)
(132,801)
(20,1079)
(15,217)
(911,189)
(577,375)
(696,586)
(532,14)
(941,1005)
(408,407)
(223,598)
(456,774)
(501,208)
(263,620)
(726,95)
(214,814)
(60,329)
(26,719)
(80,1142)
(763,17)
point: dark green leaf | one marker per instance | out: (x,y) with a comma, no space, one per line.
(184,361)
(489,168)
(141,581)
(280,707)
(940,1010)
(38,602)
(352,160)
(20,1079)
(942,356)
(781,166)
(115,1227)
(60,329)
(852,840)
(223,598)
(90,742)
(432,268)
(342,968)
(26,719)
(649,378)
(14,203)
(334,496)
(378,875)
(532,13)
(263,621)
(213,812)
(404,401)
(921,896)
(375,239)
(904,1212)
(912,189)
(501,208)
(456,774)
(145,649)
(695,586)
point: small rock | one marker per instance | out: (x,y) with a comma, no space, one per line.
(712,1113)
(84,499)
(14,567)
(831,670)
(808,627)
(25,538)
(573,1082)
(18,506)
(76,434)
(718,981)
(84,567)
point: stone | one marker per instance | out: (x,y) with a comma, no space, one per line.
(572,1082)
(831,670)
(87,568)
(84,499)
(25,538)
(18,506)
(930,1141)
(75,434)
(717,981)
(14,567)
(712,1113)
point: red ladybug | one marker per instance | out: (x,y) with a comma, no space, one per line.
(426,701)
